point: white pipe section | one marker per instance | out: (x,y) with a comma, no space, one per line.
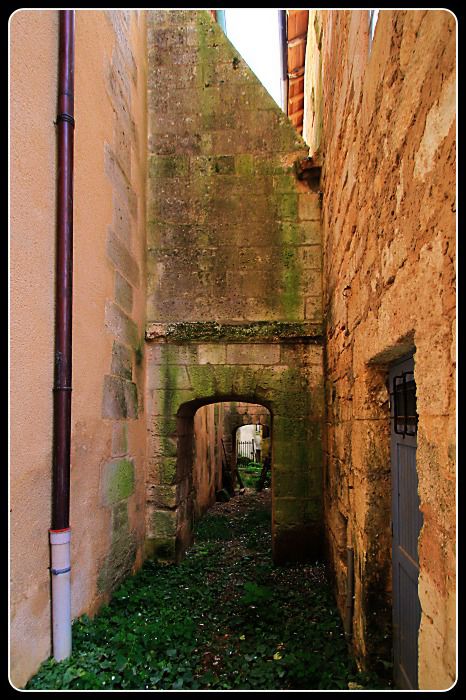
(61,593)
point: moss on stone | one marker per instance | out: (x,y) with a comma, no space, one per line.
(287,206)
(169,372)
(168,446)
(289,512)
(168,166)
(160,548)
(163,523)
(163,425)
(203,380)
(167,471)
(292,483)
(164,496)
(118,480)
(285,181)
(294,427)
(244,165)
(191,331)
(240,179)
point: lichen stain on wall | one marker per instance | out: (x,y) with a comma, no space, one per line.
(234,261)
(280,377)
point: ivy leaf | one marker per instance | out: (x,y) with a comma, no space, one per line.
(120,662)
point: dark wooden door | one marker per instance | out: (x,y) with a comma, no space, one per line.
(407,522)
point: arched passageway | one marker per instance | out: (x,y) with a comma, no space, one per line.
(204,466)
(236,416)
(287,380)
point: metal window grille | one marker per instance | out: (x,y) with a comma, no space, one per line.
(403,397)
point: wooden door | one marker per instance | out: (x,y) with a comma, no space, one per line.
(407,522)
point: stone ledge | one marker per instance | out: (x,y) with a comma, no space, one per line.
(256,331)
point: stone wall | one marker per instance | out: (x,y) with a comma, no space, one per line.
(388,213)
(233,299)
(232,235)
(234,276)
(122,476)
(286,379)
(207,460)
(108,422)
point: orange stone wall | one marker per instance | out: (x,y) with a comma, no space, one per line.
(207,462)
(387,139)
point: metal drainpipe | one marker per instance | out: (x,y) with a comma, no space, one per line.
(60,534)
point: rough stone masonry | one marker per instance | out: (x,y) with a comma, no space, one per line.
(384,122)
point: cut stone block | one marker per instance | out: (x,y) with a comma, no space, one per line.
(117,481)
(120,398)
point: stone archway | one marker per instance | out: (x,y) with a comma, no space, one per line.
(234,277)
(236,415)
(284,377)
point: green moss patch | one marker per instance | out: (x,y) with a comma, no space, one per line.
(191,331)
(118,480)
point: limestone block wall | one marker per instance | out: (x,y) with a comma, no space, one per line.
(124,158)
(287,380)
(388,216)
(234,277)
(232,234)
(108,426)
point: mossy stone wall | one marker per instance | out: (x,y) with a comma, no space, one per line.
(233,278)
(228,221)
(289,385)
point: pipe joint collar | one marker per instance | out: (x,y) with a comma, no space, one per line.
(60,536)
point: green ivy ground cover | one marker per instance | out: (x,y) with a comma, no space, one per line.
(250,474)
(225,618)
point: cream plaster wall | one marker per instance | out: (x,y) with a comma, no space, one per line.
(33,95)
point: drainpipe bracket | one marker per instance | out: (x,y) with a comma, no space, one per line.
(64,117)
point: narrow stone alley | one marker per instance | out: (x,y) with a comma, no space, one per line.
(224,618)
(204,278)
